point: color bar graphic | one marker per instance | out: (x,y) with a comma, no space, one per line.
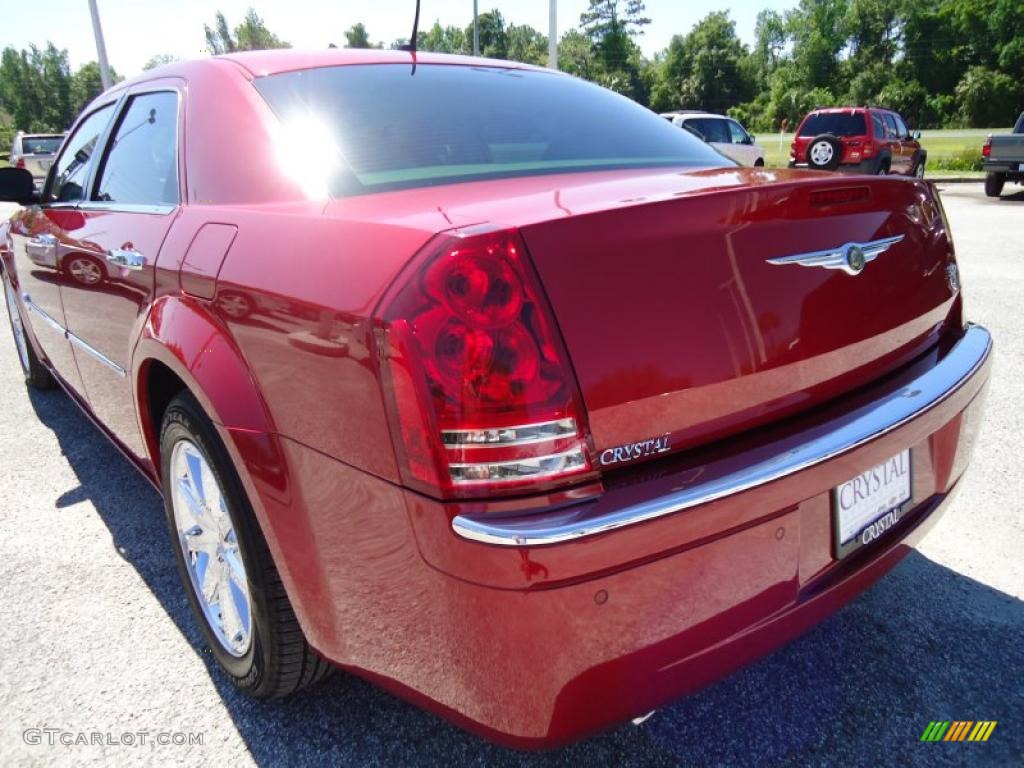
(959,730)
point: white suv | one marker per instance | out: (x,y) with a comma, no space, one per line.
(34,152)
(721,132)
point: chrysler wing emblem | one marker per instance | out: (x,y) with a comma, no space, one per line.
(851,258)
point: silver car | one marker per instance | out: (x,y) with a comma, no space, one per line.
(35,152)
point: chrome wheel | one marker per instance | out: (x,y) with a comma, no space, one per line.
(16,325)
(209,544)
(919,171)
(85,271)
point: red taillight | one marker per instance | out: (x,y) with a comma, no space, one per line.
(20,163)
(986,148)
(480,393)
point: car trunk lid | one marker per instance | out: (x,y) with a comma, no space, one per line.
(681,330)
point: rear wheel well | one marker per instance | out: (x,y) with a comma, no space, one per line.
(161,386)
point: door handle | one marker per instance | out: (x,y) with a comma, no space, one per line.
(126,259)
(42,250)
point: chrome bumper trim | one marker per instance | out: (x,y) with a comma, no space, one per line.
(863,425)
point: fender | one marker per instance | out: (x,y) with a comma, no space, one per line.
(182,334)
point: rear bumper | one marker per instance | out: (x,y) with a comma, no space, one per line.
(538,644)
(869,166)
(1013,170)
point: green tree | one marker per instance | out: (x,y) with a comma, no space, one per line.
(612,25)
(86,85)
(251,35)
(440,39)
(35,88)
(707,69)
(159,60)
(357,37)
(491,33)
(987,99)
(526,44)
(576,55)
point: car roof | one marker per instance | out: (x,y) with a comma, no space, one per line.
(687,115)
(849,110)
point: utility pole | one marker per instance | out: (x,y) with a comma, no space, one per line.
(101,49)
(553,35)
(476,32)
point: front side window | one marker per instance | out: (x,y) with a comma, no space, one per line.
(380,126)
(737,134)
(141,166)
(879,126)
(890,124)
(75,161)
(901,127)
(836,123)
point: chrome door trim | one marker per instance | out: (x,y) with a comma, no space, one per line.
(86,347)
(864,425)
(31,306)
(78,342)
(114,207)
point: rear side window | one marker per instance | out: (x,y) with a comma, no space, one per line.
(75,161)
(380,126)
(141,166)
(901,128)
(836,123)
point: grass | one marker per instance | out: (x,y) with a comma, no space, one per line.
(952,149)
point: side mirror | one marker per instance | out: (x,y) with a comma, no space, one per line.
(751,139)
(916,135)
(17,186)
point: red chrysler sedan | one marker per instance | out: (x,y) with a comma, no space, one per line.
(488,384)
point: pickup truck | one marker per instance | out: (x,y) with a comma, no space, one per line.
(1004,159)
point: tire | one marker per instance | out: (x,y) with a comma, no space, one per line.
(268,658)
(918,171)
(35,373)
(994,184)
(824,153)
(883,168)
(759,163)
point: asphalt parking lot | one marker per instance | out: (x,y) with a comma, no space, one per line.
(96,634)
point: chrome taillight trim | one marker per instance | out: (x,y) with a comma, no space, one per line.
(522,434)
(862,426)
(573,460)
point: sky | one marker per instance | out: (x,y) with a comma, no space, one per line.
(135,30)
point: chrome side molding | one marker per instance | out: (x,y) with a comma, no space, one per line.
(81,344)
(865,424)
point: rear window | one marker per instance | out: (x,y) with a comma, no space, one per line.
(379,127)
(836,123)
(40,145)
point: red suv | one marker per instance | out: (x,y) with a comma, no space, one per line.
(858,140)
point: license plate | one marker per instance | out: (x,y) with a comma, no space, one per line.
(867,506)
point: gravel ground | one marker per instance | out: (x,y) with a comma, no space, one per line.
(96,635)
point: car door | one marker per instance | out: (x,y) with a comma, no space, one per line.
(41,238)
(896,163)
(908,146)
(715,133)
(743,149)
(108,276)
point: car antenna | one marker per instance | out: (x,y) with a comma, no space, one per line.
(411,47)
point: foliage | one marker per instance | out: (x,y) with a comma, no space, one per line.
(38,91)
(251,35)
(356,36)
(159,60)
